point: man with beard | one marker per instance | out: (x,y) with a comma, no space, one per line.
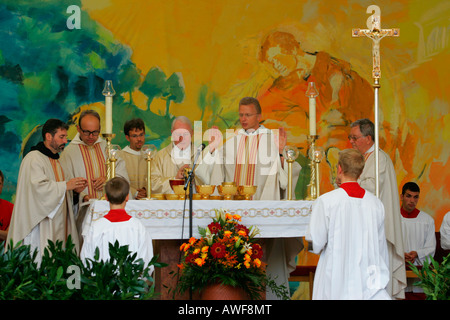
(43,209)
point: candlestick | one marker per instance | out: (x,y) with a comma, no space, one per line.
(108,92)
(290,153)
(149,151)
(312,93)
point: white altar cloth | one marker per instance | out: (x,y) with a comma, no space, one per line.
(164,218)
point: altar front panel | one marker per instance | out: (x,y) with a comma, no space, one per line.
(164,219)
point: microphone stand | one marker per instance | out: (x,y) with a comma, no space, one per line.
(189,180)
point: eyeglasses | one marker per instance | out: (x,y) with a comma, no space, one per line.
(354,138)
(87,133)
(246,115)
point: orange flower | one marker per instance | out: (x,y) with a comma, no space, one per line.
(227,234)
(242,233)
(237,217)
(192,240)
(205,249)
(257,263)
(200,261)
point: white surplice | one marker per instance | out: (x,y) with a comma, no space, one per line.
(445,232)
(130,232)
(389,195)
(43,206)
(419,235)
(348,233)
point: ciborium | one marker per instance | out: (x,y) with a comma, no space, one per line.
(227,190)
(205,190)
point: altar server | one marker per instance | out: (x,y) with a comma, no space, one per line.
(419,239)
(43,207)
(117,225)
(347,230)
(362,138)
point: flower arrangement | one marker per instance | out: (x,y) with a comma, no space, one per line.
(226,253)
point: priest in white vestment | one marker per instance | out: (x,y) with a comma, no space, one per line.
(171,161)
(419,239)
(85,156)
(254,156)
(362,137)
(445,232)
(43,208)
(135,161)
(347,230)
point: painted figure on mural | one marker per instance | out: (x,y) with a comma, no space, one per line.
(344,95)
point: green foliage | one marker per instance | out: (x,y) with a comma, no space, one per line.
(121,277)
(434,278)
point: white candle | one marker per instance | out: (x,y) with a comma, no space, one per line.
(108,115)
(312,116)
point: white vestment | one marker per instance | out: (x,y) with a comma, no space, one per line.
(445,232)
(43,206)
(419,235)
(136,168)
(389,195)
(130,232)
(348,233)
(271,178)
(166,164)
(80,160)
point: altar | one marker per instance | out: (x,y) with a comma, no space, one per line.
(168,223)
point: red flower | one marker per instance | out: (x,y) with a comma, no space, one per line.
(242,227)
(218,250)
(257,251)
(214,227)
(191,258)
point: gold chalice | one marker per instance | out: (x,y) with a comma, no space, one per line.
(158,196)
(179,190)
(247,191)
(227,190)
(205,190)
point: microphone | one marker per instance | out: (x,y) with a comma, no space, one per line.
(199,151)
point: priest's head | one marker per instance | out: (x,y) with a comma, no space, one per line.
(134,130)
(362,135)
(350,165)
(89,126)
(249,113)
(182,132)
(54,135)
(117,190)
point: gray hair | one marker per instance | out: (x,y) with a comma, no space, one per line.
(182,119)
(366,127)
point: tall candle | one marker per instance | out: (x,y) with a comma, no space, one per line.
(312,116)
(108,114)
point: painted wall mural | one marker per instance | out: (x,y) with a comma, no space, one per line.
(198,58)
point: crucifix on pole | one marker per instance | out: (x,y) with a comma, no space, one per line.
(375,33)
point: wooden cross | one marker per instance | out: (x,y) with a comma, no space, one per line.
(375,33)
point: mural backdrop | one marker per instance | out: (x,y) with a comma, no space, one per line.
(198,58)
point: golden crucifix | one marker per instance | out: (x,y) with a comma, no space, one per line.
(375,33)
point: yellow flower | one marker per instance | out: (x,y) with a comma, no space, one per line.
(205,249)
(196,251)
(199,262)
(192,240)
(247,264)
(237,217)
(257,262)
(227,234)
(242,233)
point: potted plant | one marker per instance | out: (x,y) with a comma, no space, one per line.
(434,278)
(226,256)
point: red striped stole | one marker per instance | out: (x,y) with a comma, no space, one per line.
(95,165)
(57,170)
(247,152)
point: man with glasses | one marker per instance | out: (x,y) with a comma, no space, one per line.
(85,156)
(136,164)
(362,138)
(254,156)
